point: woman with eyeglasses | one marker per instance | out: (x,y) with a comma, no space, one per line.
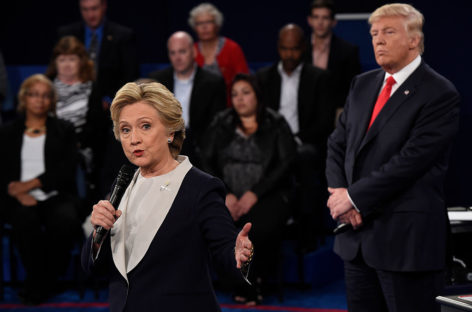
(216,53)
(38,187)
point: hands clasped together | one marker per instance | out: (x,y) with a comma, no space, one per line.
(341,208)
(239,207)
(20,191)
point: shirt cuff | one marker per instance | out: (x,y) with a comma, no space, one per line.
(352,202)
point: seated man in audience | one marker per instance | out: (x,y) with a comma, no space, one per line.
(201,93)
(330,52)
(302,94)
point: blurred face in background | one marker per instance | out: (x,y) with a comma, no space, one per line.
(181,53)
(244,99)
(321,22)
(38,100)
(205,27)
(93,12)
(68,67)
(290,49)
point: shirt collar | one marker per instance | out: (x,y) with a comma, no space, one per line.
(98,31)
(325,45)
(296,72)
(405,72)
(190,79)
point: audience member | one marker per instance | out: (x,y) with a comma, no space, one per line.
(200,92)
(330,52)
(386,166)
(38,176)
(112,47)
(302,94)
(216,53)
(73,74)
(250,147)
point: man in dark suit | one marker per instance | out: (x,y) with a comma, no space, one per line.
(386,167)
(302,94)
(328,51)
(112,47)
(201,93)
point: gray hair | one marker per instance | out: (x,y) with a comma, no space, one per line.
(205,7)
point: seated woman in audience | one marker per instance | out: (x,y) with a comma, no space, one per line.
(38,176)
(72,72)
(251,149)
(216,53)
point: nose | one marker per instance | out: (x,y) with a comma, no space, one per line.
(379,39)
(135,137)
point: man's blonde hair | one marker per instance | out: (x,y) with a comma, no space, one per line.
(161,99)
(414,19)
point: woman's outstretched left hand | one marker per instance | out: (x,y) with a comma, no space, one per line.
(243,250)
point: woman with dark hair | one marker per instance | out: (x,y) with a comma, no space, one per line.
(251,149)
(38,187)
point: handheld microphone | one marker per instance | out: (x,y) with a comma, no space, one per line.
(125,175)
(341,228)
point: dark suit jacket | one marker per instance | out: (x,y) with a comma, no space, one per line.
(207,99)
(60,155)
(395,172)
(174,274)
(315,108)
(343,64)
(117,60)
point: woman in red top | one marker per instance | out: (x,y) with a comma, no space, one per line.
(216,53)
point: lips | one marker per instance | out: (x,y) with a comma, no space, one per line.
(138,153)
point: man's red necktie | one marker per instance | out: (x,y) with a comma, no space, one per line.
(382,99)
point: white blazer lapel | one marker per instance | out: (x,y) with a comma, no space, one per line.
(117,233)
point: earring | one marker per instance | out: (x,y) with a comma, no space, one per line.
(169,141)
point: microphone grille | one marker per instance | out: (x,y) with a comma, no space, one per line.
(125,175)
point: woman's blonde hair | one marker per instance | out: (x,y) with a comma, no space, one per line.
(414,19)
(26,86)
(163,101)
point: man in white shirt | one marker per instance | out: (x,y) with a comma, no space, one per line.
(201,93)
(302,94)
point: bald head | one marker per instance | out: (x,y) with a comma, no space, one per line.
(291,47)
(181,53)
(180,36)
(292,30)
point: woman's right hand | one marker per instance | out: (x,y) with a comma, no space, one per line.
(104,215)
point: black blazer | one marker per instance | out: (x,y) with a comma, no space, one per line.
(117,60)
(315,108)
(174,275)
(207,99)
(343,65)
(60,155)
(395,172)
